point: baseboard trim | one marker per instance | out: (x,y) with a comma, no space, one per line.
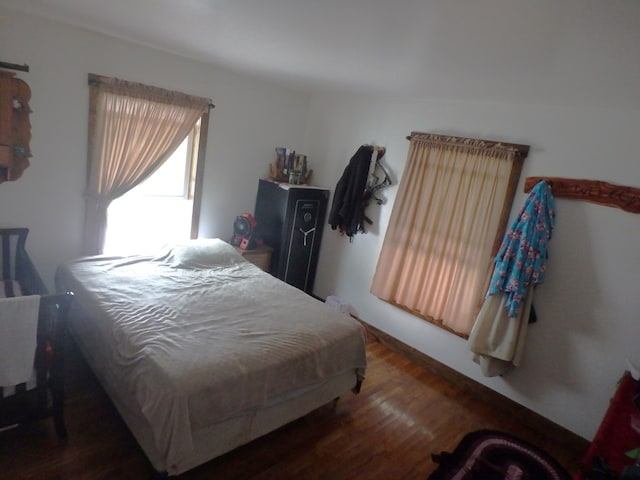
(528,417)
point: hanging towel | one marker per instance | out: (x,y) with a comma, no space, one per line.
(18,330)
(497,337)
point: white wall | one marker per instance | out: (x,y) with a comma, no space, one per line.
(588,307)
(577,103)
(250,119)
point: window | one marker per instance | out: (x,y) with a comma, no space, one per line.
(160,209)
(446,224)
(133,130)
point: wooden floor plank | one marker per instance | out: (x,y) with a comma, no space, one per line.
(403,414)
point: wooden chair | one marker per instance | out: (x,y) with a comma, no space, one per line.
(21,403)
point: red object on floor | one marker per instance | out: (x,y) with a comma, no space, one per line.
(615,436)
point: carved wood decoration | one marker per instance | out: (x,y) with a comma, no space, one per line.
(593,191)
(15,129)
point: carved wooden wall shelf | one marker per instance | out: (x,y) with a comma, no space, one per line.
(593,191)
(15,128)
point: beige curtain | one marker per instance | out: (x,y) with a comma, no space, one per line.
(451,206)
(133,129)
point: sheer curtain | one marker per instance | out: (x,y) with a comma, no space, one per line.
(133,129)
(450,210)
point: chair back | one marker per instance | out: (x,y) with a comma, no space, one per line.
(15,263)
(12,241)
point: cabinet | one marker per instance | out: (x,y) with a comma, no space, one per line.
(260,257)
(15,129)
(290,219)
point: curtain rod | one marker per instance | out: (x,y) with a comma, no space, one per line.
(15,66)
(435,138)
(98,80)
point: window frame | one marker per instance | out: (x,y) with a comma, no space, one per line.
(198,181)
(110,174)
(389,287)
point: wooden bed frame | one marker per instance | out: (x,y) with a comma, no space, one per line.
(46,399)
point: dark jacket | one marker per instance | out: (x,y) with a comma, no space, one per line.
(347,209)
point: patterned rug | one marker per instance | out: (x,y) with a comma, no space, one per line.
(492,455)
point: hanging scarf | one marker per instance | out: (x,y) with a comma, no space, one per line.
(522,257)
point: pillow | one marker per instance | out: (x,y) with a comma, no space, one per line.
(202,253)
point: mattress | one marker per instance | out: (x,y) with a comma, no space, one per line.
(194,336)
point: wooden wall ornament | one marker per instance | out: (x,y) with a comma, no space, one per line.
(593,191)
(15,128)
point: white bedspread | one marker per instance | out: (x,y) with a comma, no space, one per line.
(195,346)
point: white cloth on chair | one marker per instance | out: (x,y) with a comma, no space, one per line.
(18,332)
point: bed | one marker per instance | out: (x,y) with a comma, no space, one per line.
(201,351)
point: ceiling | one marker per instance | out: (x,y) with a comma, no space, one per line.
(479,49)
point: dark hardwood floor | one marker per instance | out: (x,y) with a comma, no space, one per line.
(403,414)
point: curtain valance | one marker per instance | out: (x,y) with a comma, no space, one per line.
(470,145)
(147,92)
